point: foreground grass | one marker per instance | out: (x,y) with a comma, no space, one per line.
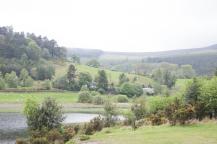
(194,134)
(15,97)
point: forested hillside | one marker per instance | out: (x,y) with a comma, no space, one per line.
(19,50)
(203,60)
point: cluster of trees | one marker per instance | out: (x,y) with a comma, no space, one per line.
(202,94)
(203,63)
(74,81)
(11,80)
(23,77)
(18,44)
(199,101)
(93,63)
(27,51)
(164,77)
(148,69)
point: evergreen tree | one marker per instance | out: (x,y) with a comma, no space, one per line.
(123,78)
(102,80)
(169,79)
(193,92)
(71,73)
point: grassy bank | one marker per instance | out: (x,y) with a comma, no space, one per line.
(193,134)
(14,102)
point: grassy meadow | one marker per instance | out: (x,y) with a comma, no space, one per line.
(192,134)
(113,76)
(17,97)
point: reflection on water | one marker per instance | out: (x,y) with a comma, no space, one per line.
(14,125)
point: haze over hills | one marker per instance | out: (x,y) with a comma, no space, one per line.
(203,60)
(84,52)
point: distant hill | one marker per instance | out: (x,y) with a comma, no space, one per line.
(203,60)
(99,53)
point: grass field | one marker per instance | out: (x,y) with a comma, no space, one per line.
(61,97)
(112,75)
(193,134)
(14,102)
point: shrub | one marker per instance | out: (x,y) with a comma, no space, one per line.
(61,83)
(158,103)
(88,129)
(101,91)
(110,113)
(84,97)
(41,140)
(122,99)
(184,113)
(47,115)
(130,119)
(179,112)
(11,79)
(45,72)
(139,108)
(47,84)
(53,135)
(84,79)
(98,100)
(170,111)
(97,123)
(94,93)
(94,125)
(21,141)
(68,133)
(157,119)
(25,79)
(131,89)
(2,84)
(84,137)
(84,88)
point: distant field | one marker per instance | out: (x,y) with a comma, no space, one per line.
(62,97)
(112,75)
(192,134)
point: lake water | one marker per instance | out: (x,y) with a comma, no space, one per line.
(14,125)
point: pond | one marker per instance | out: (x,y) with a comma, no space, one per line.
(14,125)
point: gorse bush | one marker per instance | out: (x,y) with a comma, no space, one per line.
(179,112)
(84,97)
(94,125)
(157,119)
(53,135)
(41,140)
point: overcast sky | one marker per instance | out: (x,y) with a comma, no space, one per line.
(116,25)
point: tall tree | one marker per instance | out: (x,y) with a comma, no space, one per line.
(193,92)
(123,78)
(102,80)
(71,73)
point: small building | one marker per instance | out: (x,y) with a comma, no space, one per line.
(148,91)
